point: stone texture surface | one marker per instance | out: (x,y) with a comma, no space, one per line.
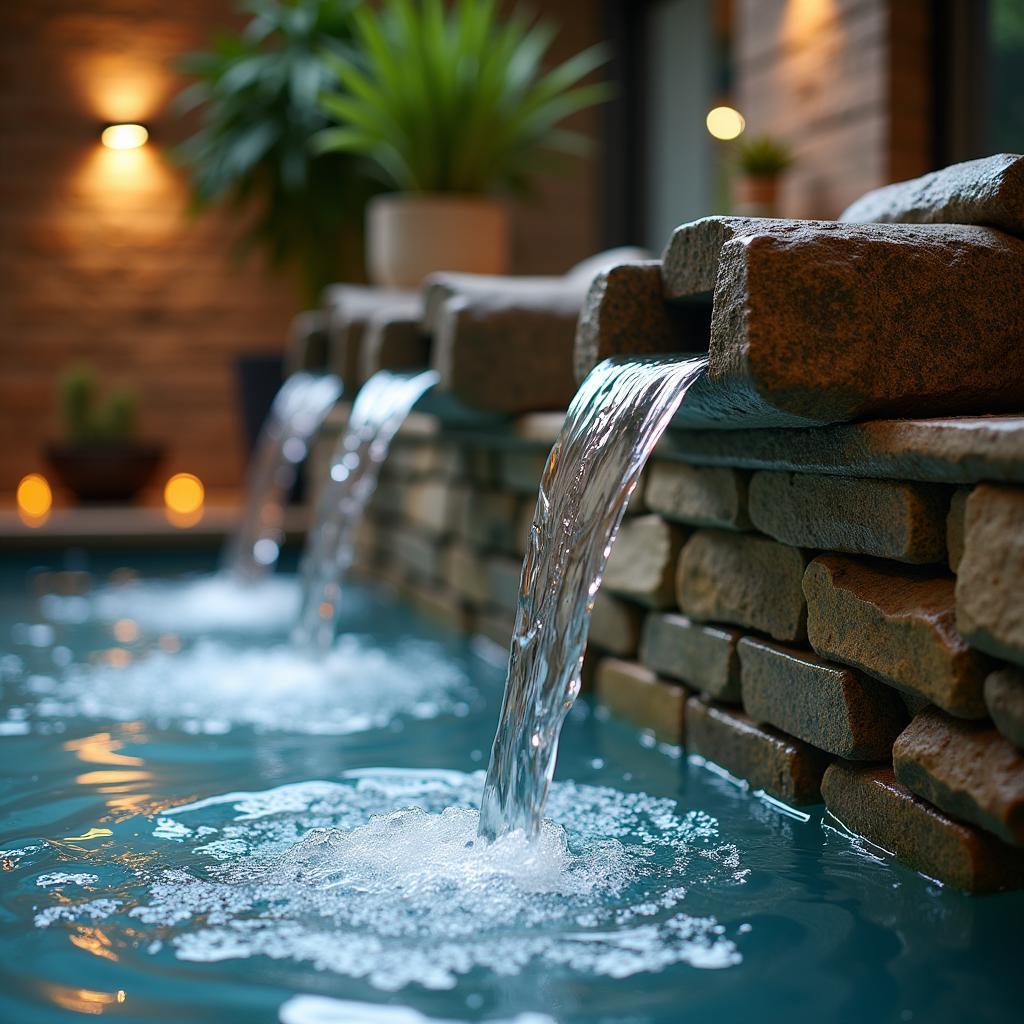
(308,341)
(955,520)
(990,576)
(393,339)
(967,769)
(958,450)
(1004,698)
(429,506)
(905,522)
(635,693)
(416,552)
(349,308)
(780,765)
(824,321)
(987,191)
(625,314)
(869,801)
(615,625)
(897,624)
(488,519)
(698,496)
(521,469)
(465,575)
(703,657)
(503,579)
(743,579)
(643,560)
(834,708)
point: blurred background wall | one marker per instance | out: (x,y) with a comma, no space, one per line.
(101,262)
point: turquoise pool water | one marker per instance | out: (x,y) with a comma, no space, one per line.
(187,834)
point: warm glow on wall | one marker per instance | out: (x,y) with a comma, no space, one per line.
(183,499)
(35,499)
(725,123)
(124,136)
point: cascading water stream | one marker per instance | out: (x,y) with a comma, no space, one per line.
(610,430)
(380,408)
(299,408)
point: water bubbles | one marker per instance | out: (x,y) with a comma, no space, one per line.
(382,877)
(214,686)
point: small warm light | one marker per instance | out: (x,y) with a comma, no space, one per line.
(725,123)
(35,499)
(184,493)
(124,136)
(126,631)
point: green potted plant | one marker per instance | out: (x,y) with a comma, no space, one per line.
(100,458)
(761,162)
(452,107)
(256,96)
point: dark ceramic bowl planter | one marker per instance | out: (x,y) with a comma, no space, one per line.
(104,471)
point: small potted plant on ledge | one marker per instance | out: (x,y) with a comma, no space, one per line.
(761,162)
(452,108)
(101,460)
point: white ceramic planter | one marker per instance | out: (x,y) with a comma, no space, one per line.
(410,235)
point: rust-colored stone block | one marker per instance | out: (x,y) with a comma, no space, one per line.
(826,322)
(743,579)
(968,769)
(870,802)
(1004,698)
(643,561)
(986,191)
(698,496)
(635,693)
(990,576)
(897,624)
(703,657)
(905,522)
(783,766)
(834,708)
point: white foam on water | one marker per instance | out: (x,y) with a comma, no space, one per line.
(305,1009)
(55,878)
(216,603)
(382,877)
(214,686)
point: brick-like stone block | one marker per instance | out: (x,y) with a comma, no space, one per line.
(488,519)
(829,706)
(636,693)
(520,469)
(428,505)
(967,769)
(615,625)
(817,321)
(958,450)
(698,496)
(349,308)
(625,313)
(703,657)
(902,521)
(393,339)
(990,576)
(509,349)
(743,579)
(643,560)
(418,554)
(955,527)
(897,624)
(870,802)
(503,581)
(986,191)
(785,767)
(465,575)
(1004,698)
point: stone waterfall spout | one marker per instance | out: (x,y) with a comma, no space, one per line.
(380,408)
(611,428)
(299,409)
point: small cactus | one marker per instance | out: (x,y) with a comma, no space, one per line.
(88,420)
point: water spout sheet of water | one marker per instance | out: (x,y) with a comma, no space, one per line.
(380,408)
(610,430)
(299,408)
